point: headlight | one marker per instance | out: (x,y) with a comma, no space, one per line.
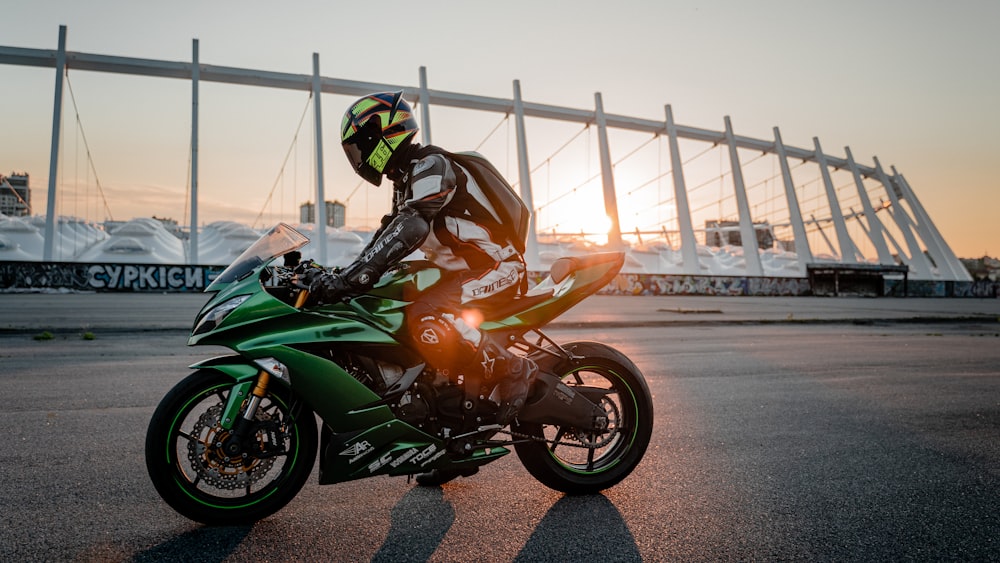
(215,316)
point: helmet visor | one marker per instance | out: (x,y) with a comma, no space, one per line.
(361,145)
(365,170)
(354,155)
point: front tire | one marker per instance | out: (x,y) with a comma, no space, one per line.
(578,463)
(194,475)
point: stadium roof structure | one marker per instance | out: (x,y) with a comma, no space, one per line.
(792,225)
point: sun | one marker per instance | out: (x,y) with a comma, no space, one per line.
(590,223)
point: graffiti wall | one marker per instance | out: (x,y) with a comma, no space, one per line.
(28,276)
(663,284)
(978,288)
(923,288)
(105,277)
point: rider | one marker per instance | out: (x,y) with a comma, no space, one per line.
(439,209)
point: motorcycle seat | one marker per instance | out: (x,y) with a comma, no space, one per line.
(512,306)
(563,267)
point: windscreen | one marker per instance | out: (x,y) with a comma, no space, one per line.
(279,240)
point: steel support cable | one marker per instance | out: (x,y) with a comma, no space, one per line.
(818,198)
(691,190)
(683,162)
(718,178)
(569,192)
(751,161)
(773,198)
(281,171)
(650,181)
(561,148)
(754,159)
(747,189)
(851,196)
(764,181)
(86,146)
(494,130)
(354,191)
(849,199)
(650,228)
(711,203)
(578,186)
(708,182)
(635,150)
(548,161)
(76,172)
(656,178)
(712,179)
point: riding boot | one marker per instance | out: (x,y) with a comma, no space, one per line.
(515,373)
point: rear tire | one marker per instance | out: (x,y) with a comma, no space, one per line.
(194,476)
(577,463)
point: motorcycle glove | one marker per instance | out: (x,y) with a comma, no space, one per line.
(327,287)
(403,235)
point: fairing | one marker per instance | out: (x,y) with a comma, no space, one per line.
(267,325)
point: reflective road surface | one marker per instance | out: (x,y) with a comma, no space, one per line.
(806,442)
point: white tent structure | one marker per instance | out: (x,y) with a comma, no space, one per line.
(140,241)
(19,240)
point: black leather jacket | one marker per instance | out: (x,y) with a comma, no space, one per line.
(437,208)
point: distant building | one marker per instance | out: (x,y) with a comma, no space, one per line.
(172,227)
(15,195)
(721,233)
(985,268)
(336,213)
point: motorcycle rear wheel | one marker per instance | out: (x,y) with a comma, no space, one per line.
(577,463)
(191,471)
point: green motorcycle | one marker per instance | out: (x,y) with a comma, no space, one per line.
(236,440)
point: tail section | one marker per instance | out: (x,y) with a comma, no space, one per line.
(570,280)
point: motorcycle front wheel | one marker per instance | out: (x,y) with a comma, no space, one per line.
(575,462)
(201,479)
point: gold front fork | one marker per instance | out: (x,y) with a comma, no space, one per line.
(258,393)
(300,301)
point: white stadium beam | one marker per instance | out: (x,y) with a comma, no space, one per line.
(844,241)
(748,236)
(802,249)
(195,79)
(689,246)
(875,231)
(936,245)
(607,175)
(524,179)
(917,261)
(320,187)
(50,211)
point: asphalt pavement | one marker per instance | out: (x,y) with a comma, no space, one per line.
(126,312)
(771,442)
(786,428)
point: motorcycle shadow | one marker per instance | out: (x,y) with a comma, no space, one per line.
(418,523)
(202,544)
(575,528)
(581,528)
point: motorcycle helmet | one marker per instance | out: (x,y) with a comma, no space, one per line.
(374,129)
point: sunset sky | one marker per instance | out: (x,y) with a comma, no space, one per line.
(914,83)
